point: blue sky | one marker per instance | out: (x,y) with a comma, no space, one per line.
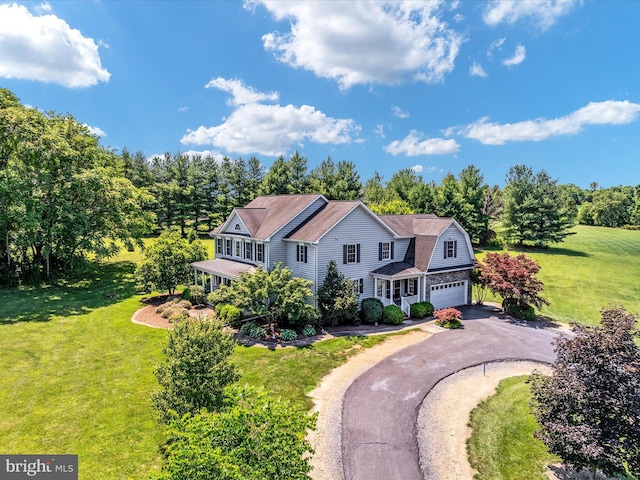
(432,86)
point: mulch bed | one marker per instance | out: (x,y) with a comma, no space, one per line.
(147,316)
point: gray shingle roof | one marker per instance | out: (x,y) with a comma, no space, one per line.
(321,223)
(425,227)
(223,267)
(265,215)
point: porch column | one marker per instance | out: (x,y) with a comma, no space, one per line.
(195,276)
(210,282)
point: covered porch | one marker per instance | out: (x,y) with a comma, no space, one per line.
(399,284)
(219,271)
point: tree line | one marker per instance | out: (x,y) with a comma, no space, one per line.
(65,198)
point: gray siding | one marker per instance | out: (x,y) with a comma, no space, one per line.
(231,228)
(278,248)
(463,257)
(300,269)
(358,227)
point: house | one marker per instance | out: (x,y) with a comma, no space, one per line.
(399,259)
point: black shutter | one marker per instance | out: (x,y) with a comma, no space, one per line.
(455,249)
(445,249)
(306,254)
(379,251)
(358,253)
(344,254)
(391,250)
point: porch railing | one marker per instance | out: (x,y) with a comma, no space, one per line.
(405,304)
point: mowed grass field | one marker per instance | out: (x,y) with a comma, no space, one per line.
(76,373)
(502,445)
(594,268)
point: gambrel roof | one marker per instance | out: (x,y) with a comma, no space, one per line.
(426,228)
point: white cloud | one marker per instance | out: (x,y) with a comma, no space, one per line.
(240,93)
(47,49)
(543,13)
(417,168)
(423,169)
(398,112)
(610,112)
(43,7)
(517,58)
(95,131)
(379,130)
(183,109)
(495,45)
(269,129)
(476,70)
(364,42)
(412,145)
(205,153)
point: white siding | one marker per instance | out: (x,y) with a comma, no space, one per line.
(463,256)
(231,228)
(357,228)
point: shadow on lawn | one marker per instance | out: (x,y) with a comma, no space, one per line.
(99,285)
(567,252)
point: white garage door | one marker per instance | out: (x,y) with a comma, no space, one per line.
(449,294)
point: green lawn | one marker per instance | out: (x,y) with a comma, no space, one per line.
(595,267)
(502,446)
(76,373)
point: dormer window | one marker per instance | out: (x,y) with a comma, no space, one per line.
(450,249)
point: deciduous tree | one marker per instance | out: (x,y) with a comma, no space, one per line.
(513,278)
(166,262)
(254,437)
(589,408)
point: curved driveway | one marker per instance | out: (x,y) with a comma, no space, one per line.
(380,409)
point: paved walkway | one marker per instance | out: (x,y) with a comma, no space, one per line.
(380,409)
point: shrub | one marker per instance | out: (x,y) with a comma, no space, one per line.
(448,317)
(231,315)
(172,310)
(184,303)
(196,371)
(177,317)
(337,301)
(246,327)
(392,315)
(451,324)
(523,312)
(195,293)
(421,309)
(288,334)
(371,310)
(309,331)
(163,307)
(258,332)
(256,437)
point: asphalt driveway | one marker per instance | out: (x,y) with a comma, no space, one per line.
(380,409)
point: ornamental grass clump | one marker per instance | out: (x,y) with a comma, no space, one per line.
(448,317)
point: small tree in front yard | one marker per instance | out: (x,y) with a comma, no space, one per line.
(277,294)
(254,437)
(589,408)
(166,262)
(337,300)
(513,278)
(197,368)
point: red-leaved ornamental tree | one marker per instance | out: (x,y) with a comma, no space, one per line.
(513,278)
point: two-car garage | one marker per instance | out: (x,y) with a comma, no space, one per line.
(448,294)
